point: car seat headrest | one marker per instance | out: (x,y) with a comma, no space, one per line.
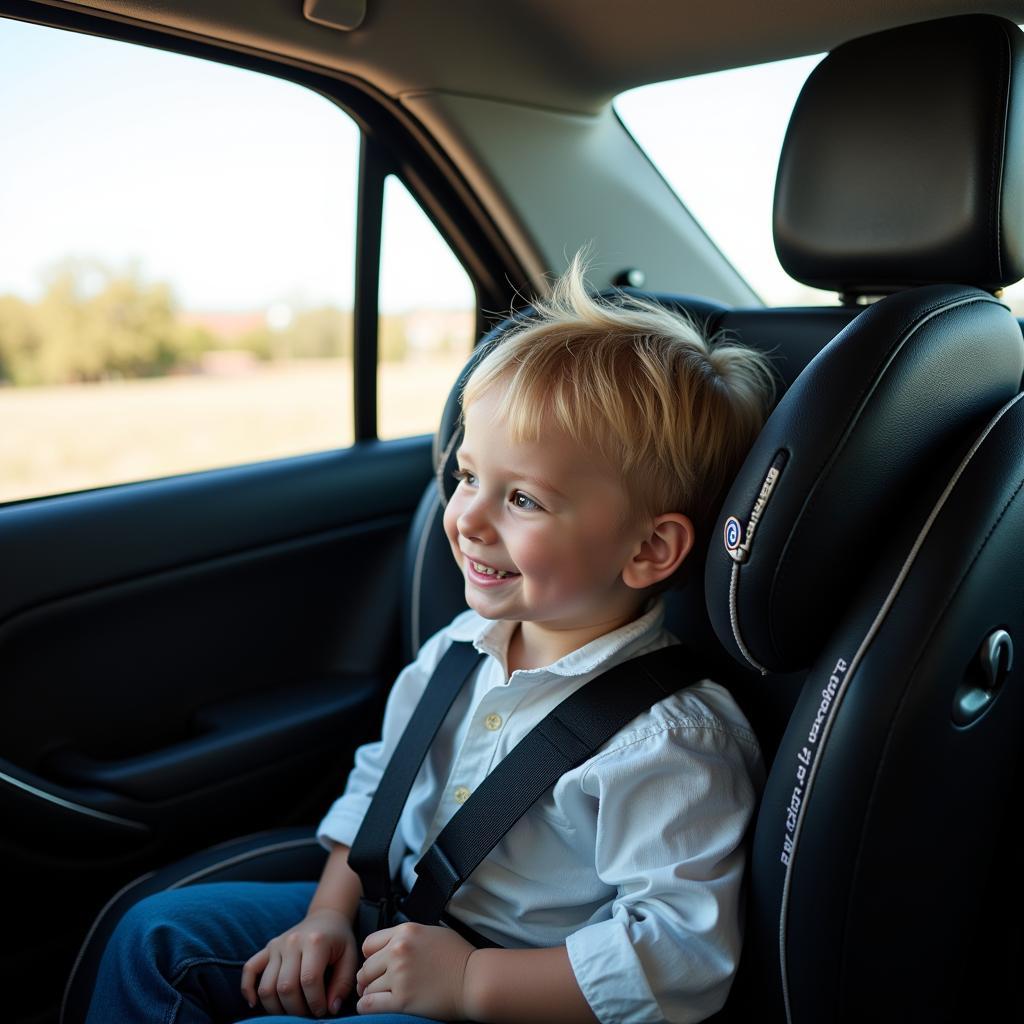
(903,163)
(851,446)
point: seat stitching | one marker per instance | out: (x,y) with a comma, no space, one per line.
(241,858)
(854,664)
(237,859)
(886,748)
(940,307)
(91,932)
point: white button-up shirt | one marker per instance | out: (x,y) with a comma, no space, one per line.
(633,860)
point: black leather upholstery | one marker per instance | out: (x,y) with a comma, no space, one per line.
(864,428)
(284,855)
(872,865)
(904,161)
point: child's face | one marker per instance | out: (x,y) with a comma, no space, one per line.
(550,514)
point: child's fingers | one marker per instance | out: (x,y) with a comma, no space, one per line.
(343,980)
(378,984)
(253,968)
(373,968)
(267,987)
(379,1002)
(377,940)
(289,991)
(312,968)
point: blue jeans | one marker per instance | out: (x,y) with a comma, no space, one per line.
(176,957)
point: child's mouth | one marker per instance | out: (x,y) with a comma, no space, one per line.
(487,575)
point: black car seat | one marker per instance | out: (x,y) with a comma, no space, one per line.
(881,537)
(866,608)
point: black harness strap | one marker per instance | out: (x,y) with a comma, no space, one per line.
(567,736)
(570,734)
(369,855)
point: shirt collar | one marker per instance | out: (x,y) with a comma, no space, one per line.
(491,636)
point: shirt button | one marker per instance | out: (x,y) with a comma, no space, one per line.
(461,794)
(493,722)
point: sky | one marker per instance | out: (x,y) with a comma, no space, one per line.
(716,139)
(237,188)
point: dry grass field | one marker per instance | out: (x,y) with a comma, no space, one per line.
(59,439)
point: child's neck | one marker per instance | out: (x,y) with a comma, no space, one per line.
(534,646)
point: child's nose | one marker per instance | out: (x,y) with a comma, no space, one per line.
(474,524)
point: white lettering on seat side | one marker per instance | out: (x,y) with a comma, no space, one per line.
(805,757)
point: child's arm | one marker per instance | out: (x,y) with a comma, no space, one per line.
(287,975)
(434,972)
(506,986)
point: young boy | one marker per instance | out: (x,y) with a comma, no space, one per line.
(597,439)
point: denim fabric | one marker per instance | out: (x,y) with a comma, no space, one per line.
(176,957)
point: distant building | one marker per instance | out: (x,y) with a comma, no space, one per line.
(439,330)
(226,326)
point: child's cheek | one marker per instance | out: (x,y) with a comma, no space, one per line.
(450,519)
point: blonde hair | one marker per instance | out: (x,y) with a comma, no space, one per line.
(671,410)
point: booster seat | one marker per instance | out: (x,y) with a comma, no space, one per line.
(869,596)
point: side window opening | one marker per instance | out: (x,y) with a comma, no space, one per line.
(716,140)
(427,318)
(176,269)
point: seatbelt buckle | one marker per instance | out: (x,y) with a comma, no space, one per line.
(371,916)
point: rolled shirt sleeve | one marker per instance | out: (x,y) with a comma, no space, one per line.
(674,806)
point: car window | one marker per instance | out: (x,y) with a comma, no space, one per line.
(716,140)
(427,320)
(176,272)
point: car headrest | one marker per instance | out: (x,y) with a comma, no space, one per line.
(904,161)
(854,443)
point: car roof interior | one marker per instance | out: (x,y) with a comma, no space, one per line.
(574,55)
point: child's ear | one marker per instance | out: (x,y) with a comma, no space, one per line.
(661,552)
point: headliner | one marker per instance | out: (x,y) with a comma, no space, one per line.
(571,55)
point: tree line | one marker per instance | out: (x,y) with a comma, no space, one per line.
(94,324)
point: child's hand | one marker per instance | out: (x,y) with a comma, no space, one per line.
(414,968)
(287,975)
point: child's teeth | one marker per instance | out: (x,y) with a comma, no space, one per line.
(488,571)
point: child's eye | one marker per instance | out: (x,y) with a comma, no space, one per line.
(520,500)
(464,474)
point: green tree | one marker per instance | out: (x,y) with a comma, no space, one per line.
(93,323)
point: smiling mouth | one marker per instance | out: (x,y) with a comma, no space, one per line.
(489,570)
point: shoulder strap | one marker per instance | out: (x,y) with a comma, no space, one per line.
(368,856)
(570,734)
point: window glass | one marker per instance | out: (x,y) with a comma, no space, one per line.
(716,140)
(427,318)
(176,264)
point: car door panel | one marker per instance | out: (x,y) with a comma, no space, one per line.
(189,659)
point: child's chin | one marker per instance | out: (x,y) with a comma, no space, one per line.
(479,603)
(480,607)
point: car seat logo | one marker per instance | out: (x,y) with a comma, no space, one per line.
(738,546)
(733,533)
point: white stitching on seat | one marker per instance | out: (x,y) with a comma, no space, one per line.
(854,664)
(734,618)
(237,859)
(92,931)
(240,858)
